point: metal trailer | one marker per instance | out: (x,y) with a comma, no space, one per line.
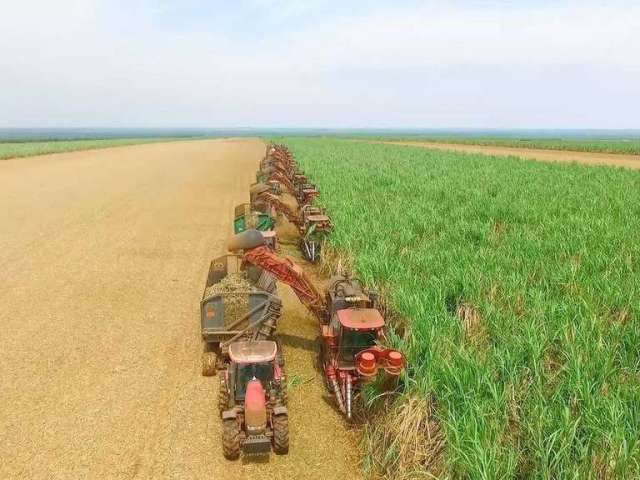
(245,218)
(221,325)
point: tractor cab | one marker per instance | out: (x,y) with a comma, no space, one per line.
(249,361)
(356,329)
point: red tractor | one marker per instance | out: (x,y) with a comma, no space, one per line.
(252,401)
(351,327)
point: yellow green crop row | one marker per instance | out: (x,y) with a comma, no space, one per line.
(520,282)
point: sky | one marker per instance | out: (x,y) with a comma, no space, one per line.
(320,63)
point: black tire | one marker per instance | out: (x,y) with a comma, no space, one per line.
(223,395)
(209,361)
(231,439)
(281,434)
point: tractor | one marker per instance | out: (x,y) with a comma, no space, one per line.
(252,401)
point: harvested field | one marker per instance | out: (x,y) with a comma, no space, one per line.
(544,155)
(103,257)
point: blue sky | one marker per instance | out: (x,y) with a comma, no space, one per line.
(320,63)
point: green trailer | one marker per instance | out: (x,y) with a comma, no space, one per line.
(246,219)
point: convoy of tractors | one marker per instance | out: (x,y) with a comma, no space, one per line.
(240,309)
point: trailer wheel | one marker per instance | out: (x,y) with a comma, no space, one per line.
(209,364)
(281,434)
(223,395)
(231,439)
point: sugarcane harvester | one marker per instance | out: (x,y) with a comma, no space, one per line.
(285,174)
(312,223)
(351,326)
(278,154)
(279,167)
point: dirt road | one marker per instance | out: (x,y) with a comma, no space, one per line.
(589,158)
(103,256)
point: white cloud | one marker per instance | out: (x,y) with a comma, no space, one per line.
(78,63)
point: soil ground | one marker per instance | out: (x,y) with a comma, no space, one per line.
(589,158)
(103,258)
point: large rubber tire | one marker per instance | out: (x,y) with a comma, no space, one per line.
(231,439)
(209,360)
(281,434)
(223,395)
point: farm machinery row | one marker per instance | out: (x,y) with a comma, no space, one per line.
(281,190)
(240,310)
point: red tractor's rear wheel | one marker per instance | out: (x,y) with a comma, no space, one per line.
(231,439)
(281,434)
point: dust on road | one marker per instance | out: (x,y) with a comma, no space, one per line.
(543,155)
(103,258)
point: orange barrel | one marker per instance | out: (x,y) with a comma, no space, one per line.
(367,366)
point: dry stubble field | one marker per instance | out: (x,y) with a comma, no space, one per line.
(103,257)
